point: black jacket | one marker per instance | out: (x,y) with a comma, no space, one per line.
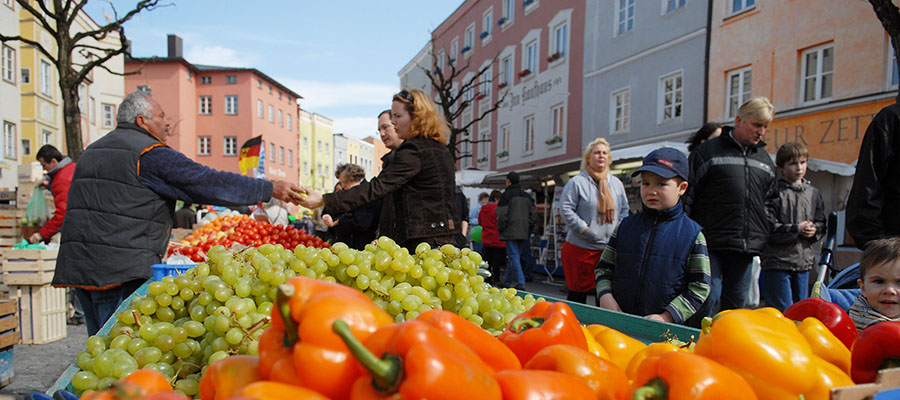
(731,194)
(787,250)
(357,228)
(516,214)
(422,178)
(873,208)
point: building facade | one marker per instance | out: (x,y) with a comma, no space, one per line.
(378,151)
(316,151)
(828,67)
(215,110)
(413,75)
(531,52)
(10,95)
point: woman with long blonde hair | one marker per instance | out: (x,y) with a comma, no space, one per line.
(421,178)
(593,204)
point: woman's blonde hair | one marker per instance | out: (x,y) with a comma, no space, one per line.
(426,120)
(589,149)
(757,107)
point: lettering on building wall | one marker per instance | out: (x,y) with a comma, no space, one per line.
(834,136)
(530,92)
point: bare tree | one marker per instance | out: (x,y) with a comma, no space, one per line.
(58,17)
(889,15)
(456,96)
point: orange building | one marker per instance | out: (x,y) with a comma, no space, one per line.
(827,66)
(214,110)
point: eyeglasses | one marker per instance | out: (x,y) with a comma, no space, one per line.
(405,96)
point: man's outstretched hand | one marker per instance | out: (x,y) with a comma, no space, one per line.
(286,192)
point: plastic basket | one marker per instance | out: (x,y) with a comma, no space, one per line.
(162,270)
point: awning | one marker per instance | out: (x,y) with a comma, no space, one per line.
(471,177)
(641,151)
(834,167)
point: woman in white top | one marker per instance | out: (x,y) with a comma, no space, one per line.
(593,203)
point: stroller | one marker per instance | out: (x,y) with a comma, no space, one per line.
(841,287)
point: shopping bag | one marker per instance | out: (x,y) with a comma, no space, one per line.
(37,212)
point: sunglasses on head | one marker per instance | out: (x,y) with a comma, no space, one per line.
(405,96)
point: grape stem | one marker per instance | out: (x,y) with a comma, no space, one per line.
(137,320)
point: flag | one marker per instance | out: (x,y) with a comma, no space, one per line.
(250,154)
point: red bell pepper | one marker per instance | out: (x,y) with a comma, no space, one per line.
(876,348)
(832,315)
(492,351)
(546,323)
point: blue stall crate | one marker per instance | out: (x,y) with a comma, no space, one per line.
(163,270)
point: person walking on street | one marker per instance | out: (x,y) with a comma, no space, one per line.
(873,207)
(731,194)
(593,203)
(515,215)
(109,242)
(59,170)
(478,246)
(494,248)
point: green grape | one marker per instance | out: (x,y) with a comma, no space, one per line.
(444,293)
(85,361)
(411,303)
(223,323)
(177,303)
(105,383)
(189,387)
(429,283)
(234,336)
(198,313)
(463,291)
(147,306)
(166,370)
(179,334)
(194,328)
(103,365)
(219,344)
(442,276)
(217,355)
(172,289)
(156,288)
(182,281)
(265,308)
(124,367)
(362,282)
(465,311)
(204,298)
(126,317)
(147,355)
(164,342)
(167,358)
(456,276)
(421,293)
(352,271)
(245,321)
(164,300)
(165,314)
(186,294)
(85,380)
(242,288)
(119,342)
(134,345)
(96,345)
(493,318)
(182,350)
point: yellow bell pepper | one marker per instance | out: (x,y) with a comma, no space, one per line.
(824,344)
(828,376)
(765,348)
(594,347)
(620,347)
(653,350)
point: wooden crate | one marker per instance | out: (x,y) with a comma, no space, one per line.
(887,379)
(6,366)
(23,194)
(42,313)
(28,267)
(10,223)
(9,323)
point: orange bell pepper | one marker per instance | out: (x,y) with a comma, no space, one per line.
(226,377)
(594,347)
(321,360)
(762,346)
(653,350)
(603,377)
(545,324)
(491,350)
(620,347)
(525,384)
(417,361)
(681,375)
(825,344)
(267,390)
(828,376)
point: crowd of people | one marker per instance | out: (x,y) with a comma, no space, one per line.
(687,254)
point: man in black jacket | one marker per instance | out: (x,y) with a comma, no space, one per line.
(873,208)
(731,194)
(516,214)
(386,223)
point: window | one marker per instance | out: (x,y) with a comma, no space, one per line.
(205,80)
(305,142)
(305,167)
(560,39)
(46,77)
(470,39)
(26,147)
(82,99)
(465,152)
(9,140)
(739,89)
(8,3)
(506,71)
(530,60)
(93,111)
(281,118)
(231,146)
(46,137)
(672,5)
(485,90)
(739,6)
(440,60)
(504,141)
(509,11)
(454,49)
(279,95)
(231,105)
(290,158)
(190,74)
(621,111)
(272,151)
(484,147)
(326,147)
(26,76)
(144,89)
(281,155)
(203,145)
(557,121)
(487,23)
(670,90)
(109,115)
(271,114)
(818,70)
(528,135)
(9,64)
(205,105)
(289,123)
(319,145)
(231,79)
(259,83)
(259,108)
(270,89)
(624,16)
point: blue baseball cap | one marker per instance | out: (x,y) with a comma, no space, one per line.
(666,162)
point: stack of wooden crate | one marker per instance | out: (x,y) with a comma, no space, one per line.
(42,307)
(10,228)
(9,323)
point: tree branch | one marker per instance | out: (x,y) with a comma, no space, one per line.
(38,15)
(100,34)
(4,38)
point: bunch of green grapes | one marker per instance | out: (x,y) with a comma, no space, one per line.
(184,323)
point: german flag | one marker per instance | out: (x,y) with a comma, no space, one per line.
(249,159)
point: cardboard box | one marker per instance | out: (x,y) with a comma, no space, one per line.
(32,172)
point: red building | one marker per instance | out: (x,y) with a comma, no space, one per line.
(214,110)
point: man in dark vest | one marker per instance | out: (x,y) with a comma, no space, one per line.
(121,206)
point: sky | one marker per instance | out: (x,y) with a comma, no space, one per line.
(342,56)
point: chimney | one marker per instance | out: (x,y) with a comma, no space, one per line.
(174,46)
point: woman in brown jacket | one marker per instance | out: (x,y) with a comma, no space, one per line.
(421,178)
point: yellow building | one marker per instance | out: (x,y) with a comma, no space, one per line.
(41,101)
(316,149)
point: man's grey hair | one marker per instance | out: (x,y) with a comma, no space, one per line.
(135,104)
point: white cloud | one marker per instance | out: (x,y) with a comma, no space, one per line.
(218,56)
(317,95)
(356,127)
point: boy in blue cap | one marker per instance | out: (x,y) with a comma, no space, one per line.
(656,263)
